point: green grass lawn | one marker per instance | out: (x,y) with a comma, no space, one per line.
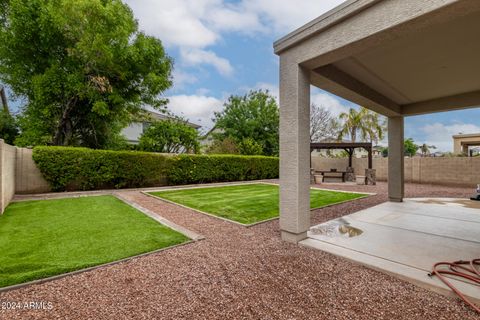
(247,204)
(43,238)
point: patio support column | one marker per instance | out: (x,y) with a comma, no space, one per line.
(395,159)
(294,150)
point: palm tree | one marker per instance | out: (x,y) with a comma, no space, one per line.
(364,122)
(425,149)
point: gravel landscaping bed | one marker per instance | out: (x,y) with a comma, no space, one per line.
(239,273)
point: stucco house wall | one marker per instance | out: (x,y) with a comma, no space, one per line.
(461,142)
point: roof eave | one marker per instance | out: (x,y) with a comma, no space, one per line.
(330,18)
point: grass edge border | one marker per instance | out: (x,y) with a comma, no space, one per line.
(196,210)
(192,236)
(159,219)
(148,193)
(75,272)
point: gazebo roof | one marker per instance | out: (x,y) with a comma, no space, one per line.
(347,146)
(340,145)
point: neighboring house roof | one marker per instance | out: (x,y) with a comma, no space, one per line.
(207,138)
(468,135)
(161,116)
(134,131)
(211,131)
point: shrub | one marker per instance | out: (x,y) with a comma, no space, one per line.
(67,168)
(218,168)
(225,146)
(170,136)
(248,146)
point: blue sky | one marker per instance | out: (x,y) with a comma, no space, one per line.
(224,47)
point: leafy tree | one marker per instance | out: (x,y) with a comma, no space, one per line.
(250,147)
(253,116)
(225,146)
(384,152)
(82,67)
(323,125)
(170,136)
(3,12)
(362,123)
(377,125)
(8,124)
(410,148)
(8,127)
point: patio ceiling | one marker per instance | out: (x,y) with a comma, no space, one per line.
(397,58)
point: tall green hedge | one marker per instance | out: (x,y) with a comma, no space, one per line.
(67,168)
(217,168)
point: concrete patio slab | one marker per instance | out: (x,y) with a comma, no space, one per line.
(406,239)
(406,208)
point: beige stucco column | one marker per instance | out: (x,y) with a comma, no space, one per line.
(294,150)
(395,159)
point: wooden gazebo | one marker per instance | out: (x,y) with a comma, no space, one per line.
(349,147)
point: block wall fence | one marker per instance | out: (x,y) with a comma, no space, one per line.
(455,171)
(7,174)
(19,174)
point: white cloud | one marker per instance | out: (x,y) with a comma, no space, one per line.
(235,19)
(202,91)
(181,78)
(196,108)
(199,108)
(199,23)
(332,104)
(198,56)
(194,25)
(272,88)
(440,135)
(283,16)
(176,22)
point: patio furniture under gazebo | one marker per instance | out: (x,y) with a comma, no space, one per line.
(349,147)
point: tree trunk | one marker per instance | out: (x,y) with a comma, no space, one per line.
(63,131)
(3,97)
(353,135)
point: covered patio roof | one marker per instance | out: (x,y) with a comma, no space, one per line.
(395,57)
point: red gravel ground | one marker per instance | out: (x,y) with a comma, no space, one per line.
(241,273)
